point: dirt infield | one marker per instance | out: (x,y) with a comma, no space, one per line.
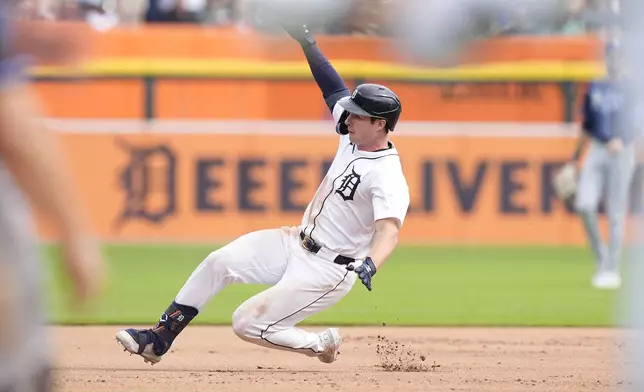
(371,359)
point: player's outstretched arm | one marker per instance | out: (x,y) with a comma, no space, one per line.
(325,75)
(383,244)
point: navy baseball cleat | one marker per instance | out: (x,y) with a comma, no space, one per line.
(143,342)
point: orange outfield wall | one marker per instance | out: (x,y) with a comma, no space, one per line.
(215,186)
(286,100)
(296,100)
(208,187)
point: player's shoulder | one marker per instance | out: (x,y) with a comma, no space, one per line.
(600,84)
(390,179)
(387,165)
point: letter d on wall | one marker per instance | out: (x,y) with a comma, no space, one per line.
(148,181)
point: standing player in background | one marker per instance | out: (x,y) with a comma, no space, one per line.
(606,171)
(351,224)
(32,169)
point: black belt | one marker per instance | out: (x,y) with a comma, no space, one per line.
(309,244)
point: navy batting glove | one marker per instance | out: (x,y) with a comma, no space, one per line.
(365,271)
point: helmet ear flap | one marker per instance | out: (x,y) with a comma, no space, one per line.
(341,127)
(392,122)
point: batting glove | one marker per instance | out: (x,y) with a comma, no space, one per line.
(365,271)
(300,33)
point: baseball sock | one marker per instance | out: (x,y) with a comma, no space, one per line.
(170,325)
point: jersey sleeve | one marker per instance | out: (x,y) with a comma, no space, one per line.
(390,194)
(339,115)
(338,111)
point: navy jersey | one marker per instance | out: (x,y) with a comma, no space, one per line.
(13,64)
(603,107)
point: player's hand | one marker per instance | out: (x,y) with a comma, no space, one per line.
(84,266)
(299,32)
(564,181)
(615,145)
(365,271)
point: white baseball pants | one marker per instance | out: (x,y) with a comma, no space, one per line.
(303,284)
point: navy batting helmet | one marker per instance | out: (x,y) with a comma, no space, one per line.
(374,100)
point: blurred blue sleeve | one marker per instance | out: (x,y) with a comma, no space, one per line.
(598,121)
(325,75)
(586,115)
(13,65)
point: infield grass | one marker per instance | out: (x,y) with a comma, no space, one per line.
(420,285)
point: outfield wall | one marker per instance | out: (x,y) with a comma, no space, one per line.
(229,99)
(206,181)
(184,134)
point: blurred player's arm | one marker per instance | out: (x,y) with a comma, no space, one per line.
(35,159)
(325,75)
(586,125)
(580,145)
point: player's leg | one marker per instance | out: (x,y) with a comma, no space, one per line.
(257,257)
(621,168)
(591,186)
(25,352)
(310,285)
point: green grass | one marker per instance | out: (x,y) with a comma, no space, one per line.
(418,286)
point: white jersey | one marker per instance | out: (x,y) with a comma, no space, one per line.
(360,188)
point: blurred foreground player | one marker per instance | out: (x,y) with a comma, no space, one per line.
(32,171)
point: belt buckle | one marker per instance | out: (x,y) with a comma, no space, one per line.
(308,243)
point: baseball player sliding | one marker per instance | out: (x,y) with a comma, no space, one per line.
(349,230)
(607,171)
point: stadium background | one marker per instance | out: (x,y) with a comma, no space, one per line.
(185,136)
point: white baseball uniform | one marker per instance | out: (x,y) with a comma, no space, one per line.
(359,188)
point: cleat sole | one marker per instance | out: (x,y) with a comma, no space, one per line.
(124,342)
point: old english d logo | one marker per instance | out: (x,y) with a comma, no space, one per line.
(350,182)
(148,181)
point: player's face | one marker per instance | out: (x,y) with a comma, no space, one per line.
(363,130)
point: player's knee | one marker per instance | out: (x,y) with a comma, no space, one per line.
(218,261)
(245,324)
